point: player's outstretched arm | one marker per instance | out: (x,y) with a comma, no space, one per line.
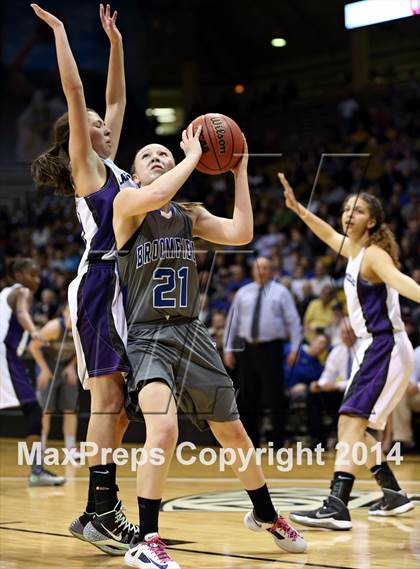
(323,230)
(380,262)
(115,85)
(134,202)
(238,230)
(83,158)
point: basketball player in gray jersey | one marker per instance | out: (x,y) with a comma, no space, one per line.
(174,361)
(163,255)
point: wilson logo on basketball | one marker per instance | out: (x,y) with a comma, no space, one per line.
(219,129)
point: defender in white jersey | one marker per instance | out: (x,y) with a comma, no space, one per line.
(384,359)
(16,328)
(89,143)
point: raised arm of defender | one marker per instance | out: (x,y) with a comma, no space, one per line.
(337,241)
(83,158)
(88,170)
(115,86)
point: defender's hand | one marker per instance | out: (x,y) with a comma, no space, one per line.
(109,23)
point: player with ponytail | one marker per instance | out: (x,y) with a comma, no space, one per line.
(383,362)
(80,163)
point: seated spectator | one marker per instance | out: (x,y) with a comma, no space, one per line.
(217,321)
(237,279)
(410,403)
(264,244)
(307,367)
(321,278)
(298,377)
(298,282)
(46,307)
(334,329)
(326,393)
(204,314)
(319,314)
(307,297)
(217,329)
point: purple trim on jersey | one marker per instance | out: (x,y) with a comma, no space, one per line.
(19,376)
(370,378)
(100,204)
(103,348)
(372,298)
(14,333)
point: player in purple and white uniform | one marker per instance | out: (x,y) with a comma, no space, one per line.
(81,164)
(384,358)
(16,328)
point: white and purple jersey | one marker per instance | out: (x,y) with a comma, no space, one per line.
(15,386)
(95,213)
(384,356)
(11,332)
(373,308)
(95,300)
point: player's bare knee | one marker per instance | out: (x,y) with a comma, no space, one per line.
(230,434)
(165,437)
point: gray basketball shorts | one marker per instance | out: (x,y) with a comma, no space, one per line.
(59,395)
(185,357)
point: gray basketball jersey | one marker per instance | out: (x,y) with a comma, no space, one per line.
(158,269)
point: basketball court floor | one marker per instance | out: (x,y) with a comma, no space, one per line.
(202,520)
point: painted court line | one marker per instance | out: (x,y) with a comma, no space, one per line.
(217,480)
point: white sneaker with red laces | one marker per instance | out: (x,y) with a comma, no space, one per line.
(150,553)
(285,536)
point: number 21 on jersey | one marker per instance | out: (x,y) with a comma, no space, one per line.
(164,293)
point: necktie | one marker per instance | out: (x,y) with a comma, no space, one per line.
(255,324)
(349,363)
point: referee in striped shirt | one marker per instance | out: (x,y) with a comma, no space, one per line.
(263,314)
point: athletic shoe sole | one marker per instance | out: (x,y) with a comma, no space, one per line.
(104,543)
(77,534)
(395,512)
(327,523)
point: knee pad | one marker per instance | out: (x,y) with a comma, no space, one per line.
(33,418)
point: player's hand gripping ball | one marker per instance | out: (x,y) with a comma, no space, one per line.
(222,143)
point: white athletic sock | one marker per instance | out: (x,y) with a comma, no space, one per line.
(70,441)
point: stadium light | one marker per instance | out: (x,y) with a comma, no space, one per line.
(278,42)
(368,12)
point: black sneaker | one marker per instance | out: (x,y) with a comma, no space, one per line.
(393,503)
(111,532)
(333,514)
(78,525)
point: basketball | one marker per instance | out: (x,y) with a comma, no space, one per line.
(222,143)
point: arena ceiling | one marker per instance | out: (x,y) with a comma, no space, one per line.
(231,39)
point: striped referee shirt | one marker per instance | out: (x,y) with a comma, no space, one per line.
(279,318)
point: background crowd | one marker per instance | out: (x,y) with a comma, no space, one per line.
(379,133)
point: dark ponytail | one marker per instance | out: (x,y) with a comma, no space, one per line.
(52,168)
